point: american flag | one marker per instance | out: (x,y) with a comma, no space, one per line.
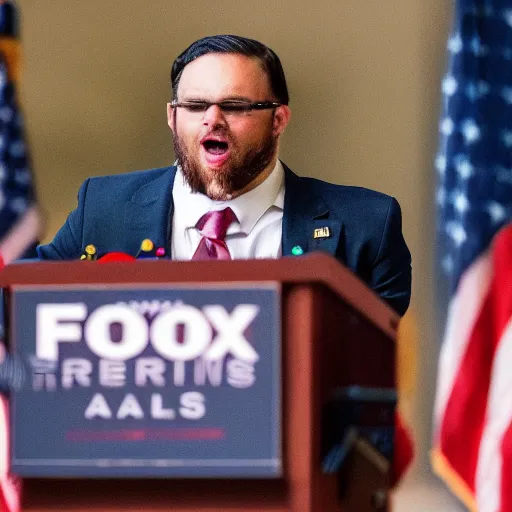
(473,410)
(16,198)
(16,184)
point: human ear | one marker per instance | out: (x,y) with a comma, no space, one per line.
(282,116)
(171,112)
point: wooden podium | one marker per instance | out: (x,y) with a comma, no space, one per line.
(335,333)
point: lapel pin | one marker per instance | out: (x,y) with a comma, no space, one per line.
(297,250)
(322,233)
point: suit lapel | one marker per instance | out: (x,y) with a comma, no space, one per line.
(149,212)
(304,212)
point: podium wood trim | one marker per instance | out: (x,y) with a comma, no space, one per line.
(311,268)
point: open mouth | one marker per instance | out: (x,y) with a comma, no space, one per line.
(216,151)
(215,147)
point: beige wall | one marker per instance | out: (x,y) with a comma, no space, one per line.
(364,78)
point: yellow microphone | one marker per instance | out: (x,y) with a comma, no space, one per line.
(149,250)
(90,253)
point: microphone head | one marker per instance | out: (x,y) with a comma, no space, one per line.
(90,253)
(13,372)
(149,251)
(147,245)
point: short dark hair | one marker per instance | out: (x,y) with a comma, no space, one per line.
(234,44)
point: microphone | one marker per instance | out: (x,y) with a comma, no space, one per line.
(90,253)
(148,250)
(12,372)
(116,256)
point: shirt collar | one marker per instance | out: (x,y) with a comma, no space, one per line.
(248,207)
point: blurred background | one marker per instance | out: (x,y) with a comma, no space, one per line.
(364,78)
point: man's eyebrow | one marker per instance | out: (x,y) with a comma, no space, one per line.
(244,99)
(195,99)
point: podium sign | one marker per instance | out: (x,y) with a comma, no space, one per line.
(147,381)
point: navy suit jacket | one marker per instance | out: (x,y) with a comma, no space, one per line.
(115,213)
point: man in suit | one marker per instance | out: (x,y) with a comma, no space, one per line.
(229,196)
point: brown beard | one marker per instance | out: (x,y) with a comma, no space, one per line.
(223,184)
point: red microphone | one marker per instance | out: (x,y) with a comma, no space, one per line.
(116,256)
(91,254)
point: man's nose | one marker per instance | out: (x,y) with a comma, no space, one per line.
(214,116)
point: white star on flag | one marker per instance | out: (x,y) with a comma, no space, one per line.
(455,44)
(456,232)
(449,85)
(463,166)
(470,131)
(461,203)
(507,16)
(440,163)
(506,138)
(446,126)
(496,211)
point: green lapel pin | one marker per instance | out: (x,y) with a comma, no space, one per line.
(297,250)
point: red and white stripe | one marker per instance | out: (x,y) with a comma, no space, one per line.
(10,488)
(473,411)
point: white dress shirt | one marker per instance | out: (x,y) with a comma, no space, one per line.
(257,234)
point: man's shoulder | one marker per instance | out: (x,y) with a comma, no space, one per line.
(137,177)
(124,185)
(347,197)
(342,190)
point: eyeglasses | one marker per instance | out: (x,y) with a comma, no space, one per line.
(228,108)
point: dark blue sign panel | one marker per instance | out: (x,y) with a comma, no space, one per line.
(150,382)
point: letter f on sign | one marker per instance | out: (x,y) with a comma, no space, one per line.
(57,323)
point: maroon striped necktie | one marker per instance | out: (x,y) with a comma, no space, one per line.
(213,227)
